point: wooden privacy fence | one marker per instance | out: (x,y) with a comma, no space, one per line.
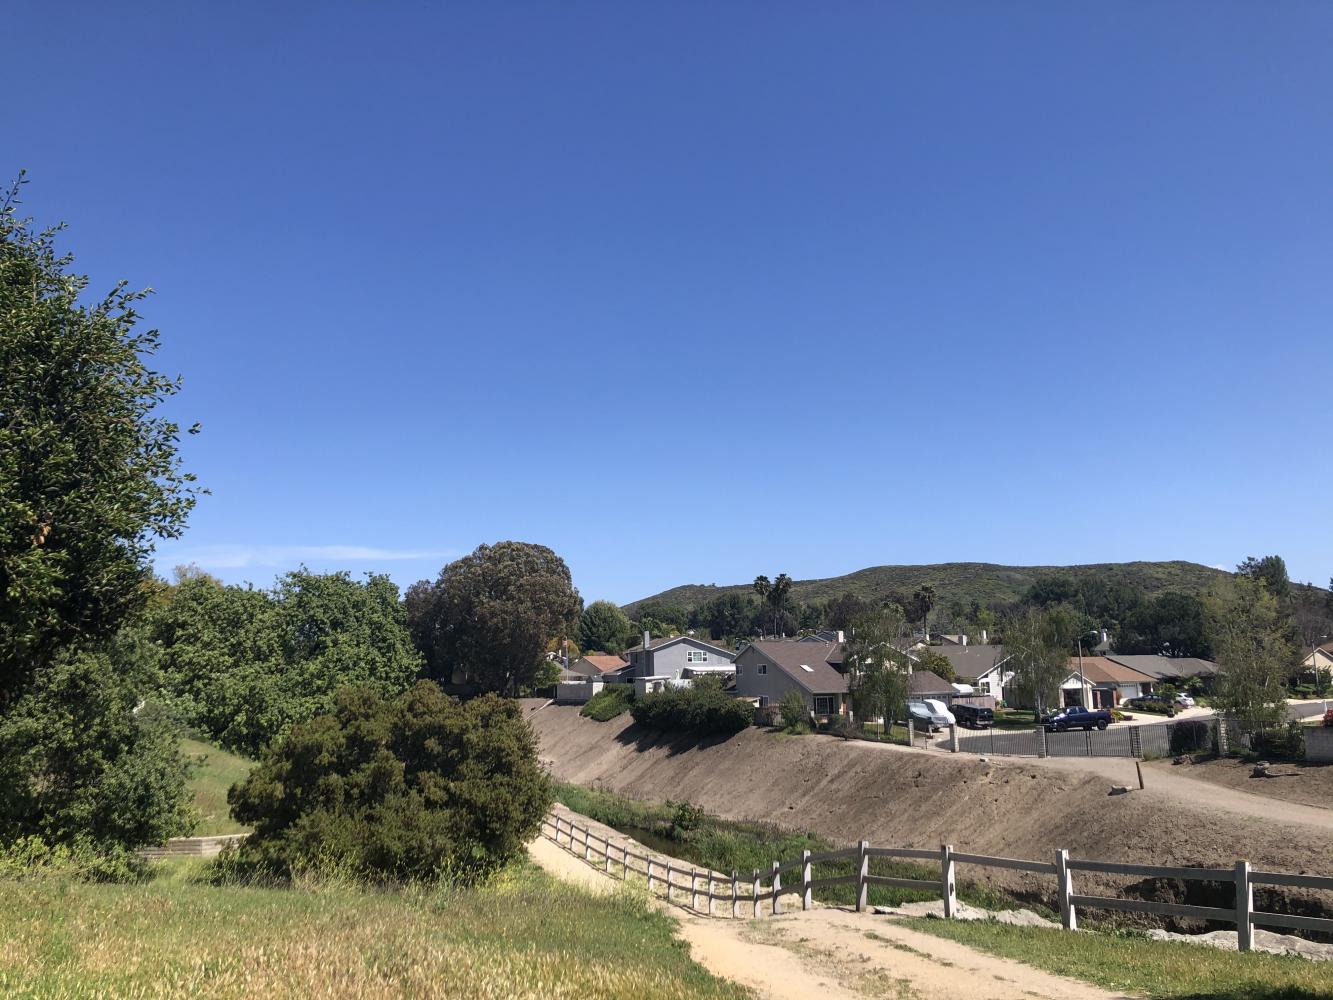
(761,892)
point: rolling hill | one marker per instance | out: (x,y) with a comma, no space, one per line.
(988,583)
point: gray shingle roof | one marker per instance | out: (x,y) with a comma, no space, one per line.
(807,663)
(1168,667)
(924,684)
(970,662)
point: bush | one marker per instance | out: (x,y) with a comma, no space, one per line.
(416,786)
(791,706)
(82,766)
(1282,742)
(703,708)
(608,703)
(1191,736)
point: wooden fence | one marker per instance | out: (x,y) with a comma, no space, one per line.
(761,893)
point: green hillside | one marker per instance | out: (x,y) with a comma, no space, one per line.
(988,583)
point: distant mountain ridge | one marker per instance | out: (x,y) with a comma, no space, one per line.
(989,583)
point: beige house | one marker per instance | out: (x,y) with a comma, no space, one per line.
(1320,658)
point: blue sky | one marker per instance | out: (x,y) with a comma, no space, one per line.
(691,292)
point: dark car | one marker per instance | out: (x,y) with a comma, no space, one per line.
(1077,717)
(973,716)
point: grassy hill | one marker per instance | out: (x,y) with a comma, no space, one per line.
(989,583)
(215,771)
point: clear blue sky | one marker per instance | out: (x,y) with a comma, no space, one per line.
(691,292)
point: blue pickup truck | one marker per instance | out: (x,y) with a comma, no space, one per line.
(1077,717)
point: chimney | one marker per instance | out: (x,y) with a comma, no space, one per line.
(984,640)
(645,640)
(840,636)
(964,638)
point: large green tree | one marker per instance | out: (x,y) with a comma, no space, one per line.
(775,594)
(490,615)
(1251,640)
(877,664)
(604,628)
(1037,645)
(727,616)
(90,475)
(244,665)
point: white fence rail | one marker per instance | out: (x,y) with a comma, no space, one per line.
(701,890)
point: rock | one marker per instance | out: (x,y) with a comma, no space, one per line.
(1182,759)
(1260,770)
(983,760)
(1119,790)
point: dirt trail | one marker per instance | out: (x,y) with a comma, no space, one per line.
(832,953)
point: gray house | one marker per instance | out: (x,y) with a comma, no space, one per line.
(769,668)
(675,657)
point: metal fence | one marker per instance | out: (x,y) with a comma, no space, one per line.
(761,893)
(1150,740)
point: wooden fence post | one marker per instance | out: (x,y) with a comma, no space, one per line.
(733,894)
(1222,748)
(712,888)
(806,901)
(1065,882)
(754,892)
(652,883)
(606,854)
(1041,740)
(862,875)
(668,880)
(947,885)
(694,889)
(1135,742)
(587,850)
(953,738)
(777,889)
(1244,907)
(624,861)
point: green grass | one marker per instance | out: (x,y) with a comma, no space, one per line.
(608,703)
(524,935)
(215,770)
(1138,965)
(1015,718)
(727,845)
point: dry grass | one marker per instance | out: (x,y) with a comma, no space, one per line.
(525,936)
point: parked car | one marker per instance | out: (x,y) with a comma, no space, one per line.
(1077,717)
(974,716)
(932,712)
(1184,701)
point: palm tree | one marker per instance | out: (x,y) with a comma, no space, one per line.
(774,593)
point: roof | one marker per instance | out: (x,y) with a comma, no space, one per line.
(656,644)
(970,662)
(923,684)
(807,663)
(603,663)
(1101,670)
(1167,667)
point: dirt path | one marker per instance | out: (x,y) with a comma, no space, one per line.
(834,954)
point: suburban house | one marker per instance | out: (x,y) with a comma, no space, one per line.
(658,663)
(924,684)
(827,635)
(1177,670)
(981,666)
(1319,658)
(597,665)
(769,668)
(1104,683)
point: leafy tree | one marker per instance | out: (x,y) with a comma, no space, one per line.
(414,786)
(1271,571)
(243,665)
(845,609)
(728,616)
(84,761)
(1036,648)
(89,475)
(491,614)
(663,616)
(877,664)
(918,607)
(1252,642)
(1169,624)
(604,628)
(703,708)
(937,663)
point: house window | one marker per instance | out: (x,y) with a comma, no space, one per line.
(824,704)
(739,670)
(763,701)
(696,656)
(763,668)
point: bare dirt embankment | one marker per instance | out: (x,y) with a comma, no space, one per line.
(848,791)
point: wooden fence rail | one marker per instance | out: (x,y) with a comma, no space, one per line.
(741,894)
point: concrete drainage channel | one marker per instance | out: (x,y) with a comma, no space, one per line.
(192,847)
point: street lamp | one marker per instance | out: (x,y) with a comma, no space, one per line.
(1082,682)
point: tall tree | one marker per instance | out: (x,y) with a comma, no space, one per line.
(90,475)
(728,616)
(1037,650)
(1271,571)
(490,614)
(604,628)
(919,606)
(775,595)
(877,664)
(1251,639)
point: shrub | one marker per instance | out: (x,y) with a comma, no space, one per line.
(416,786)
(703,708)
(791,706)
(1284,742)
(608,703)
(1190,736)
